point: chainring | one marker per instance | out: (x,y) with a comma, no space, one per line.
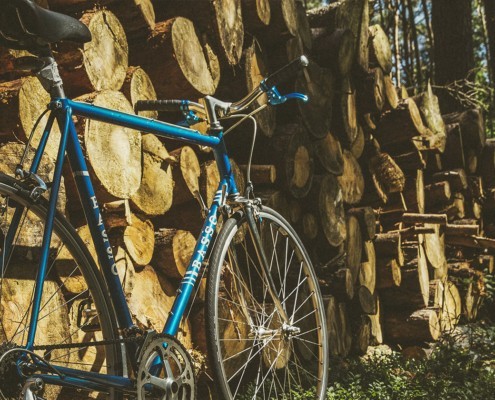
(165,371)
(10,380)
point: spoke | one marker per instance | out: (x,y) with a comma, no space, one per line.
(240,379)
(63,283)
(306,332)
(297,294)
(304,302)
(238,354)
(5,265)
(293,290)
(47,315)
(306,316)
(304,370)
(254,355)
(25,316)
(270,368)
(240,305)
(241,281)
(284,286)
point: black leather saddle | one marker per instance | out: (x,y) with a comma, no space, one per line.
(26,26)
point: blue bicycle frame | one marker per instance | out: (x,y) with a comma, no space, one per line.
(62,110)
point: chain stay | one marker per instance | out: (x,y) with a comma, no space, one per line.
(138,339)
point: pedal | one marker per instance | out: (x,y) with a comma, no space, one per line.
(87,317)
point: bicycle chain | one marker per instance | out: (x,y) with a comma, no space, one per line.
(89,344)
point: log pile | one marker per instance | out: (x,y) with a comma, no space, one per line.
(394,200)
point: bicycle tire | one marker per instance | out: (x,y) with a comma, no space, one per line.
(67,250)
(252,354)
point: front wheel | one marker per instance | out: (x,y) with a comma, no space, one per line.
(257,351)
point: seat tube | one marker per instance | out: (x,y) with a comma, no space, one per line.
(64,117)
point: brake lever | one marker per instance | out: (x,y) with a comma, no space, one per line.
(190,118)
(275,98)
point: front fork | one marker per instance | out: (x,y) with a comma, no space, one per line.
(250,211)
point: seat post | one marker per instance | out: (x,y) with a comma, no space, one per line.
(49,75)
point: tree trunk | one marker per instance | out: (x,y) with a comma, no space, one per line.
(154,196)
(371,96)
(222,20)
(138,86)
(22,102)
(353,246)
(139,240)
(100,64)
(319,84)
(113,152)
(353,15)
(174,47)
(186,172)
(454,49)
(256,14)
(401,124)
(388,273)
(331,209)
(174,248)
(294,159)
(137,16)
(329,153)
(420,326)
(344,121)
(255,70)
(379,49)
(334,49)
(490,25)
(351,181)
(430,110)
(367,270)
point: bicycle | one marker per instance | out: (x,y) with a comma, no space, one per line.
(261,285)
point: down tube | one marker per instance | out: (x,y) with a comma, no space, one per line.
(192,272)
(97,227)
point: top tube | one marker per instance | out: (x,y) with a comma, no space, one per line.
(140,123)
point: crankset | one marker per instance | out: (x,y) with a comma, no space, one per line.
(165,371)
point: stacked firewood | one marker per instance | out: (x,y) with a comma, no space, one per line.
(391,197)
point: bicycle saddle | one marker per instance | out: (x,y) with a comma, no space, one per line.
(26,26)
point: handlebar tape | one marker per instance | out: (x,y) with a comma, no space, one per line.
(160,105)
(287,72)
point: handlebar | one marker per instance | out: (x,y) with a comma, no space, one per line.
(266,86)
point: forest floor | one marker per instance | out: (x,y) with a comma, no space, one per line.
(460,366)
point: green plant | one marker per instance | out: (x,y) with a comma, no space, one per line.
(462,366)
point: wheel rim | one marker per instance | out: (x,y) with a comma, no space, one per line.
(259,354)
